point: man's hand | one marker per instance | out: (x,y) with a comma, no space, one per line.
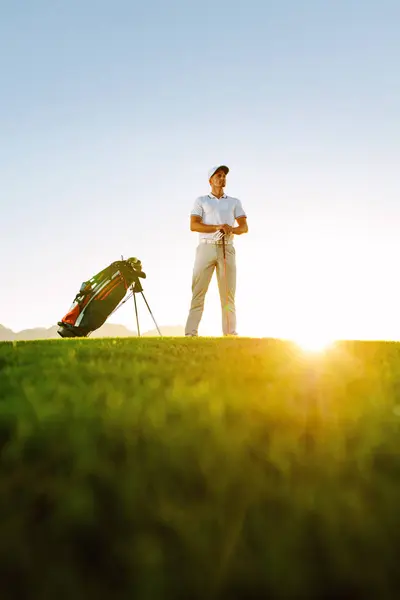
(227,229)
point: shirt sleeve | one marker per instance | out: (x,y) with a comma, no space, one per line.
(239,211)
(197,209)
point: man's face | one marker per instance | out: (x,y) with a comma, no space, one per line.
(219,178)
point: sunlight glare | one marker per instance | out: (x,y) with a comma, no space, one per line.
(313,343)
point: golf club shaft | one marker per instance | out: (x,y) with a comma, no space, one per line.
(226,284)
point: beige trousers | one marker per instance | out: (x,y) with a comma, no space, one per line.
(210,257)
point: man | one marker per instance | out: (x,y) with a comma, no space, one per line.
(213,216)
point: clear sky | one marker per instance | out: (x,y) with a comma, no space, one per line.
(111,113)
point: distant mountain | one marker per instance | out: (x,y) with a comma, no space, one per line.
(107,330)
(6,334)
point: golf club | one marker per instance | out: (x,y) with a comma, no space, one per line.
(226,308)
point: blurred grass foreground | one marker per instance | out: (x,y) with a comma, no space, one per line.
(193,469)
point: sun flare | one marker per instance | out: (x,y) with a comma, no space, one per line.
(313,343)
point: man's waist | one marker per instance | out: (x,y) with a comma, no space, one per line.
(213,241)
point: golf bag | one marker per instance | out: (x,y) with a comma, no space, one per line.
(100,296)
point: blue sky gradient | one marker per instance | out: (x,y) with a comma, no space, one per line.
(111,114)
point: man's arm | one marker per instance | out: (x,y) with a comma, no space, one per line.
(197,225)
(242,226)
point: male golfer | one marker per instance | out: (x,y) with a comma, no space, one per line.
(213,216)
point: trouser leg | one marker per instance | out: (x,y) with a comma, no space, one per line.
(226,277)
(205,263)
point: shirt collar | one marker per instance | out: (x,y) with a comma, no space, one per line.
(210,195)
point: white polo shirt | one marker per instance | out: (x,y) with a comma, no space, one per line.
(217,211)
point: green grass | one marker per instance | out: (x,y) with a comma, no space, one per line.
(229,469)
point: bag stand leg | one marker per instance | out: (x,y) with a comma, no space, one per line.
(134,292)
(136,312)
(158,329)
